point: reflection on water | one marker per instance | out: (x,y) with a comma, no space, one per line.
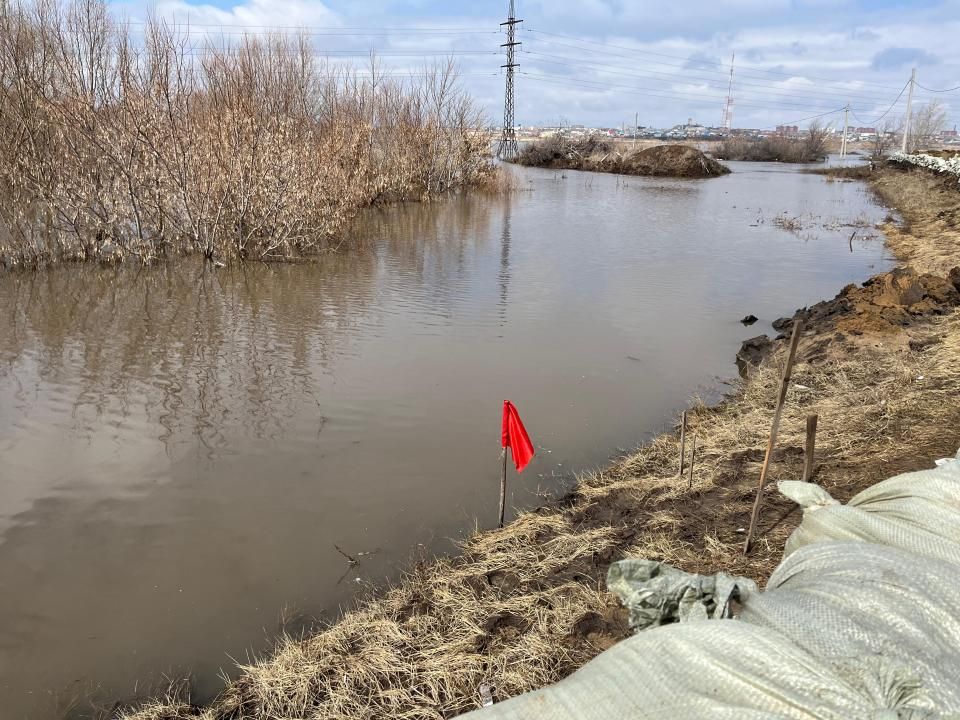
(181,448)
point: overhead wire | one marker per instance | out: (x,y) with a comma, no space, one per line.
(633,90)
(751,87)
(946,90)
(637,51)
(892,105)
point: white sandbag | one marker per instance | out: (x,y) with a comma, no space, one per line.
(919,512)
(721,670)
(842,601)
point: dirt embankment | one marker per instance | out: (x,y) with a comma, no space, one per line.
(600,155)
(526,605)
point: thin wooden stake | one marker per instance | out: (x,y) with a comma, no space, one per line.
(808,451)
(683,442)
(772,441)
(693,457)
(503,486)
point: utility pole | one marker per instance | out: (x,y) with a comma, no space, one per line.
(508,149)
(906,122)
(843,141)
(727,120)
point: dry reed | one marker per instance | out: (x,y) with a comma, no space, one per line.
(112,148)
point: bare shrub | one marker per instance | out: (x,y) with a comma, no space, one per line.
(247,150)
(810,147)
(885,138)
(563,151)
(926,122)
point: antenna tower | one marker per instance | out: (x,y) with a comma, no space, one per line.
(728,107)
(508,149)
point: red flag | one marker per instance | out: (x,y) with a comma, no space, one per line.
(514,436)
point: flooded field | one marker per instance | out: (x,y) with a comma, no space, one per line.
(182,450)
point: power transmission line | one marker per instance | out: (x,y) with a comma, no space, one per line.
(874,122)
(863,95)
(508,148)
(396,30)
(677,57)
(953,89)
(813,117)
(805,100)
(634,90)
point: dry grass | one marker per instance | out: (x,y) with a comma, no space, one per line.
(929,239)
(525,606)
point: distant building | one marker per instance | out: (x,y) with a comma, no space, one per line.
(788,130)
(949,134)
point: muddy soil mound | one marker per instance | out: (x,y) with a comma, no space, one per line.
(883,305)
(600,155)
(672,161)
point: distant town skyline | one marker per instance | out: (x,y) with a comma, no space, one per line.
(603,62)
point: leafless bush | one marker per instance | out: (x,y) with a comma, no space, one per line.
(809,147)
(563,151)
(110,149)
(885,138)
(926,122)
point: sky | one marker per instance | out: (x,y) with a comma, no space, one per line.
(603,63)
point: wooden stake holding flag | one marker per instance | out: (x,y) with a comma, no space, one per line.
(513,436)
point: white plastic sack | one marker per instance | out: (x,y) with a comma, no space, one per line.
(721,670)
(918,512)
(854,602)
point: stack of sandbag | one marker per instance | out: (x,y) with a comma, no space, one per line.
(861,620)
(849,605)
(918,512)
(717,669)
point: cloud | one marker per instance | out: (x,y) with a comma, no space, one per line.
(600,61)
(864,35)
(252,14)
(701,61)
(896,57)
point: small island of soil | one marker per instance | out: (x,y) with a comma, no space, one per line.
(601,155)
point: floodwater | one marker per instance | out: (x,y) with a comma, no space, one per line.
(181,449)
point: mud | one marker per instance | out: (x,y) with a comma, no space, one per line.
(881,307)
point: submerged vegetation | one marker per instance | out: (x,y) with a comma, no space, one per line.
(810,147)
(116,145)
(602,155)
(526,605)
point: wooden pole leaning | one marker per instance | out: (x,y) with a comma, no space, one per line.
(775,426)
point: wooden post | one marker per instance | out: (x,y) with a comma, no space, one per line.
(683,442)
(503,486)
(693,457)
(772,441)
(808,451)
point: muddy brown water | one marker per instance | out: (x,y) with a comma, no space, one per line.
(180,449)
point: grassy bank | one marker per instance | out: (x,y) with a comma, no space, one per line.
(120,144)
(526,605)
(599,154)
